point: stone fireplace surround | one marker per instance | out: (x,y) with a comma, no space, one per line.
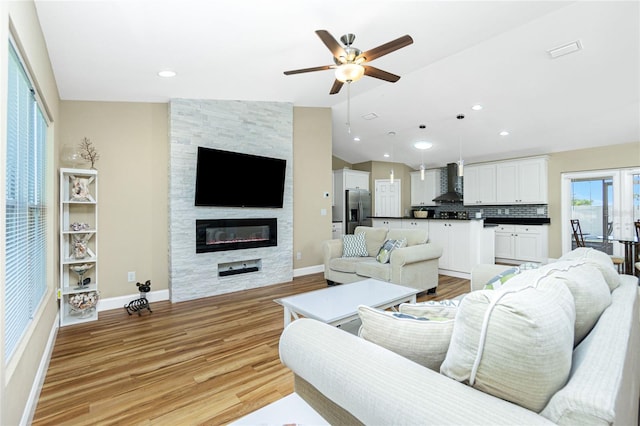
(260,128)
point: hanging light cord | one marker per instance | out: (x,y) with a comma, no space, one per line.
(349,106)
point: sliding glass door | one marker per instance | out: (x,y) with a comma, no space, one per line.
(606,202)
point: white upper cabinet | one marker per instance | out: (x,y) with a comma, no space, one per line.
(522,181)
(351,179)
(480,184)
(424,191)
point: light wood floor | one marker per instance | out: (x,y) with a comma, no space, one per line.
(208,361)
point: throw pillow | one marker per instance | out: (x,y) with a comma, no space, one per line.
(384,254)
(354,245)
(515,343)
(599,259)
(424,339)
(496,282)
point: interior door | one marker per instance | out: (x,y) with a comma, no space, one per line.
(388,198)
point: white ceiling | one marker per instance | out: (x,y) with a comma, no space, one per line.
(464,52)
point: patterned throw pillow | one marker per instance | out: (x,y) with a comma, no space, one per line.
(354,245)
(498,281)
(384,254)
(423,339)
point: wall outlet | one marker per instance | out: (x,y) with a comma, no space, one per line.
(299,255)
(323,212)
(499,211)
(506,211)
(131,276)
(540,210)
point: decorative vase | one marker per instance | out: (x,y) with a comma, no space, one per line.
(70,157)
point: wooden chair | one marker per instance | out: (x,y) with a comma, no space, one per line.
(578,237)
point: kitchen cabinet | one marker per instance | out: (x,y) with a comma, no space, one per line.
(350,179)
(480,184)
(415,224)
(521,243)
(336,230)
(522,181)
(464,245)
(424,191)
(78,235)
(386,223)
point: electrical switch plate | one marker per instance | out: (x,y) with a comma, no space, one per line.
(540,210)
(506,211)
(131,276)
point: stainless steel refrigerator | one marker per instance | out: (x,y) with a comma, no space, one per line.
(357,209)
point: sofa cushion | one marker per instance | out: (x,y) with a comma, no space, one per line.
(600,259)
(374,238)
(354,245)
(348,265)
(413,236)
(424,339)
(591,294)
(384,254)
(374,269)
(515,343)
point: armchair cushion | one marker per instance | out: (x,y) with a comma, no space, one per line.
(413,236)
(423,339)
(374,238)
(354,245)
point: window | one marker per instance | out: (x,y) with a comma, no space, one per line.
(26,209)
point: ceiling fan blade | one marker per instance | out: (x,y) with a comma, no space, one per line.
(337,85)
(331,43)
(386,48)
(322,68)
(378,73)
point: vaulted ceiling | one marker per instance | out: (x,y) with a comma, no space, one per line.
(492,53)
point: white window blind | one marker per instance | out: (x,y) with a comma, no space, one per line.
(25,221)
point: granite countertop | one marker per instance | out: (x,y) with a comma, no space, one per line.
(420,218)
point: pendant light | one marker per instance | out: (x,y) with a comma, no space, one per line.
(422,148)
(392,134)
(460,161)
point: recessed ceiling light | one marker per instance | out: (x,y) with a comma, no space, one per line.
(391,133)
(476,107)
(504,133)
(370,116)
(356,139)
(167,73)
(423,145)
(386,155)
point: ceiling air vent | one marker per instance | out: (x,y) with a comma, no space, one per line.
(565,49)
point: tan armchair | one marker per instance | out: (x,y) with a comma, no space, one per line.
(415,265)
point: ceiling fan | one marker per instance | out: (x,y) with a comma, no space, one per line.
(350,61)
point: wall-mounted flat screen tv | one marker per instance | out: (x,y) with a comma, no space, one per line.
(234,179)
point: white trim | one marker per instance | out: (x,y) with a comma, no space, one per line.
(308,270)
(121,301)
(38,381)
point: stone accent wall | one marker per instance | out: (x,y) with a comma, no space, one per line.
(258,128)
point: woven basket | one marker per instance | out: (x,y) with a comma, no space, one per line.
(420,214)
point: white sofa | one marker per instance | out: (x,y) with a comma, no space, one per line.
(415,265)
(359,382)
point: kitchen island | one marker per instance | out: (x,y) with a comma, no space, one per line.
(465,242)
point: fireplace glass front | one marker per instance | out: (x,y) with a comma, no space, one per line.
(235,234)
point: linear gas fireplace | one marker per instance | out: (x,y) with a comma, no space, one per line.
(235,234)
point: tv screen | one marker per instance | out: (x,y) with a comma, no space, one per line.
(233,179)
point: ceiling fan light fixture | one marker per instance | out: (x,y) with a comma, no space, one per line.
(349,72)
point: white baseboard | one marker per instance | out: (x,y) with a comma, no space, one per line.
(121,301)
(38,381)
(308,270)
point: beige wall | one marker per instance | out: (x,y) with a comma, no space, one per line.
(133,143)
(608,157)
(18,376)
(311,179)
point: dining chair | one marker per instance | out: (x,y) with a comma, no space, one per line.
(578,237)
(637,225)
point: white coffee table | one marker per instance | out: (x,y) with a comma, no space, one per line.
(290,410)
(338,305)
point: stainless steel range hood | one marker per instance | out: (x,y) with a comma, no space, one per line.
(453,185)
